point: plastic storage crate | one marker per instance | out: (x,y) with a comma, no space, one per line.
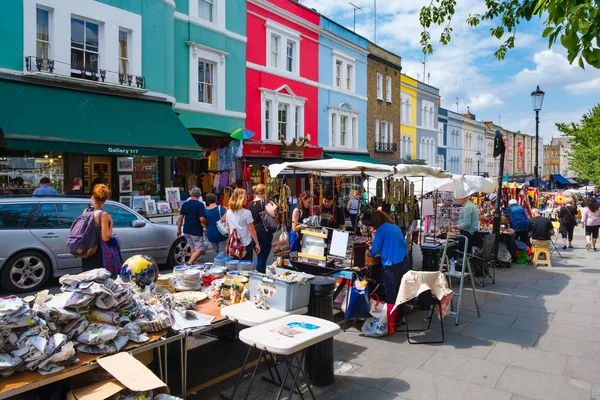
(281,294)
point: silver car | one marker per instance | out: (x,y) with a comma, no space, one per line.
(34,231)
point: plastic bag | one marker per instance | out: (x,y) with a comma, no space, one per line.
(358,304)
(376,325)
(294,241)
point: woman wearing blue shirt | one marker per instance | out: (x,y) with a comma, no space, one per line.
(390,245)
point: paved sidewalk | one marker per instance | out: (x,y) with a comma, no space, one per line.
(538,338)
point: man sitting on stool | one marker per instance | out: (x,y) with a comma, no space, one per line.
(540,228)
(468,222)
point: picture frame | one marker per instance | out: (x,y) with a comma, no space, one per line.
(125,183)
(173,196)
(125,164)
(137,202)
(100,166)
(149,207)
(126,201)
(163,207)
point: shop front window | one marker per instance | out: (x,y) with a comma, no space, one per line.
(145,176)
(21,175)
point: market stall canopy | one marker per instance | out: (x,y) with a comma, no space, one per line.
(460,185)
(333,166)
(353,157)
(560,179)
(45,118)
(408,170)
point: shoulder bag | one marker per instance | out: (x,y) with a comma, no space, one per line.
(221,225)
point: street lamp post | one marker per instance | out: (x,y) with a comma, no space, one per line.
(537,98)
(478,154)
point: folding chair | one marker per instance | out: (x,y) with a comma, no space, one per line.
(554,239)
(483,264)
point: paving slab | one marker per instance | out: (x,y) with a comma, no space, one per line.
(369,367)
(351,390)
(567,298)
(592,288)
(585,310)
(417,384)
(528,357)
(569,347)
(586,369)
(461,367)
(557,329)
(506,335)
(577,319)
(489,318)
(539,385)
(545,304)
(516,311)
(466,345)
(537,288)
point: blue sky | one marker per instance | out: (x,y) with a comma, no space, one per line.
(466,68)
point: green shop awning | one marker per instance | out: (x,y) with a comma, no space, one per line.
(43,118)
(353,157)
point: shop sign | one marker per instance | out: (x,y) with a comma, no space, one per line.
(520,157)
(262,150)
(507,166)
(123,150)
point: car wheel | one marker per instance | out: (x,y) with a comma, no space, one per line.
(180,252)
(27,271)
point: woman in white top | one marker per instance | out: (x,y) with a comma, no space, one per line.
(241,220)
(353,206)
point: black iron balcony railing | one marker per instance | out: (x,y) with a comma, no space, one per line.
(381,147)
(91,73)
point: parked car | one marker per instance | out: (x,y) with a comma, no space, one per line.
(34,231)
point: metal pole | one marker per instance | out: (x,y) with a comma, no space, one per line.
(497,212)
(537,150)
(354,29)
(478,161)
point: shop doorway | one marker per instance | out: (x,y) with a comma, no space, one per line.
(96,169)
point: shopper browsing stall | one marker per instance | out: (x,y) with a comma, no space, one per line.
(214,214)
(389,243)
(240,220)
(103,226)
(518,221)
(265,237)
(193,218)
(353,209)
(301,211)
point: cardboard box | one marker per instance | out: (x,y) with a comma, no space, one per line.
(128,373)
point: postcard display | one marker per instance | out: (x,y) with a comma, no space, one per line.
(447,213)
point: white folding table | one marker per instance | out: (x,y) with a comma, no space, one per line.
(247,314)
(290,337)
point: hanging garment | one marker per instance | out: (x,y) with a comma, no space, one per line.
(216,180)
(207,183)
(224,180)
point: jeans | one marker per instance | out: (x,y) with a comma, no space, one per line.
(523,236)
(354,222)
(219,247)
(461,241)
(391,276)
(265,239)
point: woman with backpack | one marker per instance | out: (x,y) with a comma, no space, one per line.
(103,228)
(214,214)
(241,228)
(568,220)
(264,233)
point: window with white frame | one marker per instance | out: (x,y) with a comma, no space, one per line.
(388,89)
(377,136)
(283,48)
(344,127)
(206,82)
(405,109)
(384,132)
(441,134)
(283,114)
(440,162)
(207,76)
(427,114)
(42,38)
(123,52)
(206,10)
(406,147)
(343,73)
(379,86)
(85,45)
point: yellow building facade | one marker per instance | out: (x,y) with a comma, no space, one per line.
(408,118)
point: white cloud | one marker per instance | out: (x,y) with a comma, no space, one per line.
(591,86)
(485,100)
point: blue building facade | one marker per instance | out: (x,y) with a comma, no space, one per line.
(454,152)
(442,138)
(427,122)
(342,122)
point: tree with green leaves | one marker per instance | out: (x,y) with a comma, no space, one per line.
(584,138)
(575,23)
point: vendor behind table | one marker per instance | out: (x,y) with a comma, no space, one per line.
(389,243)
(468,222)
(331,216)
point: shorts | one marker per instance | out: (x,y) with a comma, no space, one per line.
(195,242)
(592,231)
